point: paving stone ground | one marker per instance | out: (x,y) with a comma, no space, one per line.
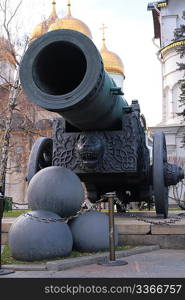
(167,263)
(163,263)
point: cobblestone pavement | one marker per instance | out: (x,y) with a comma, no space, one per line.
(163,263)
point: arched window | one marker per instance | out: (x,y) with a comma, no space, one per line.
(175,97)
(166,102)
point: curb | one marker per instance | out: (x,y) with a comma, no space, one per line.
(68,263)
(33,267)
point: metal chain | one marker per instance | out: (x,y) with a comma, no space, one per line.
(80,212)
(179,202)
(117,201)
(146,218)
(47,220)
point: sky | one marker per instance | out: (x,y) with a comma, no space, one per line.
(129,34)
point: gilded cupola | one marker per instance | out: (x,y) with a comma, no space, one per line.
(43,27)
(112,62)
(69,22)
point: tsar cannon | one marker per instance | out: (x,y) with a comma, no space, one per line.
(97,135)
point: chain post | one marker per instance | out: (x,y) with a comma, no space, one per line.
(112,256)
(110,198)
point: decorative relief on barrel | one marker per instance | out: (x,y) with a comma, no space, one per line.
(95,152)
(143,155)
(90,149)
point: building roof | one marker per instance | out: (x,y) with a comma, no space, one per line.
(155,8)
(112,62)
(42,27)
(69,22)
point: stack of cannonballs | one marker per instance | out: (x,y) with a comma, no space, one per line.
(54,195)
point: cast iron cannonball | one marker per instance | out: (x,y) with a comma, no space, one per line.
(56,189)
(91,232)
(33,240)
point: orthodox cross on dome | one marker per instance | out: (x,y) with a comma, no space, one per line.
(53,14)
(103,28)
(54,8)
(69,8)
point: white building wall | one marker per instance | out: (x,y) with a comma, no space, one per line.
(118,78)
(172,125)
(171,18)
(171,91)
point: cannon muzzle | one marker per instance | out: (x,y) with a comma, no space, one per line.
(62,71)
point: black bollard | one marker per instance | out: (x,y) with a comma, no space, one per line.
(112,256)
(110,198)
(2,271)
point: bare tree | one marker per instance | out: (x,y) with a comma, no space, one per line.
(9,78)
(16,113)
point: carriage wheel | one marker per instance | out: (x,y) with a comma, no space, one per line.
(159,188)
(40,156)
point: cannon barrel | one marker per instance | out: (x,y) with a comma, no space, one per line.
(62,71)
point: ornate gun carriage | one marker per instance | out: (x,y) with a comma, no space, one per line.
(99,136)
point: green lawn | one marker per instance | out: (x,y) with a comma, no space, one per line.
(7,258)
(14,213)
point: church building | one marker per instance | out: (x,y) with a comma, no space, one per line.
(167,16)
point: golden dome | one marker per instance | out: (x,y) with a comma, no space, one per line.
(43,27)
(112,62)
(69,22)
(39,30)
(6,52)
